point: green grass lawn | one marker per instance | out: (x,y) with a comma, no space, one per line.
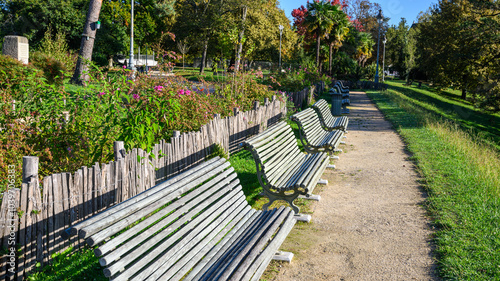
(449,105)
(460,171)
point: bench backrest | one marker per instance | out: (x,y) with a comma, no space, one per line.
(165,234)
(324,113)
(273,150)
(309,124)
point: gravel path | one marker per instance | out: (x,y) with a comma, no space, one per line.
(370,223)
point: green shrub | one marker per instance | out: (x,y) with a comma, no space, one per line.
(53,69)
(13,73)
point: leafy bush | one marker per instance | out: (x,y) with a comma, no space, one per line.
(53,69)
(57,47)
(13,74)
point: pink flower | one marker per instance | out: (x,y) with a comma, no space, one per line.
(180,92)
(124,66)
(187,92)
(135,96)
(101,94)
(158,88)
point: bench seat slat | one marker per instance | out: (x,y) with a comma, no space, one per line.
(218,181)
(120,264)
(312,135)
(198,237)
(328,121)
(187,183)
(150,192)
(179,210)
(213,256)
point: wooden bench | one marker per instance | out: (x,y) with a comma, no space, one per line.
(283,171)
(328,121)
(312,135)
(195,226)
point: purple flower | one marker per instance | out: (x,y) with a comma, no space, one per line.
(101,94)
(135,96)
(180,92)
(187,92)
(158,88)
(124,66)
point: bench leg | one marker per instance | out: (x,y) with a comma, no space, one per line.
(342,142)
(283,256)
(337,150)
(281,196)
(311,197)
(322,182)
(330,166)
(302,217)
(334,157)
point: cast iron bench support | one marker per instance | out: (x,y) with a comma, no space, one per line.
(283,171)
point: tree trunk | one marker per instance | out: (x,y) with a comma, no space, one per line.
(80,76)
(318,45)
(204,56)
(330,53)
(464,93)
(240,40)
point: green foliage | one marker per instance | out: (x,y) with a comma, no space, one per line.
(218,151)
(53,69)
(69,265)
(13,73)
(459,47)
(57,48)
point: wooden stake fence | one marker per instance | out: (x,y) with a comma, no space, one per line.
(33,217)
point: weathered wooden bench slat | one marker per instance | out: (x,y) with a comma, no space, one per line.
(212,223)
(328,121)
(282,170)
(215,253)
(312,135)
(172,233)
(197,225)
(130,202)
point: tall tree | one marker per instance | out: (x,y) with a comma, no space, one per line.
(337,34)
(80,76)
(319,21)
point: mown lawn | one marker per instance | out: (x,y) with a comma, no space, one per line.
(456,150)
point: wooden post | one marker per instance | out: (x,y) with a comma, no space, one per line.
(216,115)
(30,168)
(13,105)
(66,115)
(255,105)
(274,97)
(177,134)
(266,101)
(119,149)
(236,111)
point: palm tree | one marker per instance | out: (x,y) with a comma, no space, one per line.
(319,21)
(364,47)
(337,34)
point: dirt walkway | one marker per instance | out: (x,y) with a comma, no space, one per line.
(369,224)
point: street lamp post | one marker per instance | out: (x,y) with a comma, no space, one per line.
(281,33)
(379,19)
(131,60)
(383,60)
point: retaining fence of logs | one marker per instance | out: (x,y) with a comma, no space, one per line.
(32,217)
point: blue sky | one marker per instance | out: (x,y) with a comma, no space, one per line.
(395,9)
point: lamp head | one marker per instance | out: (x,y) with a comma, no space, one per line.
(379,16)
(385,40)
(281,27)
